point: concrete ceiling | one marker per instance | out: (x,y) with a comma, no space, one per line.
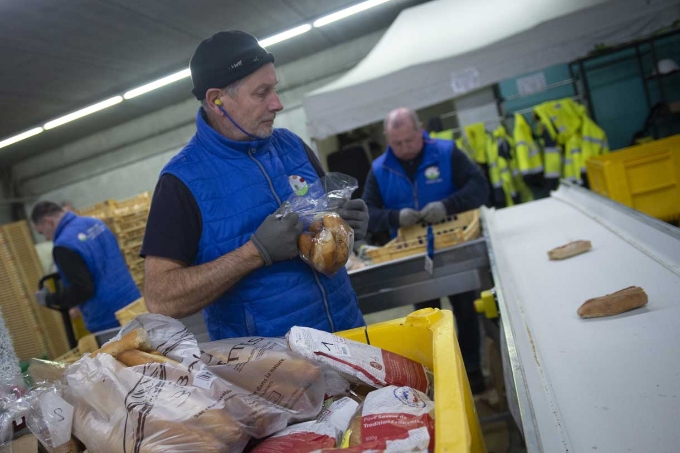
(58,57)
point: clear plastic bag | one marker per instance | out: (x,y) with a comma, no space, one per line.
(268,368)
(50,418)
(327,240)
(14,405)
(159,407)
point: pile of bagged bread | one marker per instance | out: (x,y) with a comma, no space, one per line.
(154,389)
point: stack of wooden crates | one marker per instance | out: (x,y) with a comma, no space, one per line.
(127,219)
(36,331)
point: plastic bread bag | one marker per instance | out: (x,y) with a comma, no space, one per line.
(265,367)
(50,419)
(394,419)
(358,362)
(324,432)
(327,240)
(147,390)
(14,404)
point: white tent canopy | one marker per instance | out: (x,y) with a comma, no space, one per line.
(429,45)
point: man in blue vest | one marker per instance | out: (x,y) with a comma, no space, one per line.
(92,268)
(214,241)
(423,179)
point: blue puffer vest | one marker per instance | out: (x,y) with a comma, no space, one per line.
(236,186)
(113,285)
(433,180)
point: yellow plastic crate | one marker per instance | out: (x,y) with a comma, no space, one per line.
(413,240)
(427,336)
(129,312)
(644,177)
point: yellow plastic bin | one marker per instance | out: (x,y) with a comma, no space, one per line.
(644,177)
(427,336)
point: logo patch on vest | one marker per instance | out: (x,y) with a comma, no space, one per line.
(299,185)
(82,237)
(432,173)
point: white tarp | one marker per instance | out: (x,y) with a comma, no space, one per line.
(436,51)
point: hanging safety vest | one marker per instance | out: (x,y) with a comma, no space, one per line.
(474,137)
(500,174)
(502,139)
(442,135)
(594,141)
(552,152)
(528,155)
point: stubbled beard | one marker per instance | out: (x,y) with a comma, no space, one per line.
(265,130)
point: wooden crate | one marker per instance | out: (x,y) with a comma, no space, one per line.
(86,345)
(97,210)
(132,205)
(413,240)
(15,305)
(20,243)
(129,312)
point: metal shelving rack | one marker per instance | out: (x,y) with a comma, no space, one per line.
(643,51)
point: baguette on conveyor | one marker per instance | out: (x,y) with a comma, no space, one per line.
(568,250)
(613,304)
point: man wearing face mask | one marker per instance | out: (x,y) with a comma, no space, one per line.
(422,179)
(92,268)
(213,241)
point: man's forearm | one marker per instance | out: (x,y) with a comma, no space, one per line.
(181,291)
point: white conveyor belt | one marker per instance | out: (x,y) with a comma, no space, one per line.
(589,385)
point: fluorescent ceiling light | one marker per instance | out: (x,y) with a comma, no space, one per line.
(20,137)
(347,12)
(83,112)
(285,35)
(158,83)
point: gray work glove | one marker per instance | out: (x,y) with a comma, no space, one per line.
(408,217)
(434,212)
(277,238)
(42,296)
(355,213)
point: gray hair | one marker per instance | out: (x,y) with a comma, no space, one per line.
(399,117)
(231,90)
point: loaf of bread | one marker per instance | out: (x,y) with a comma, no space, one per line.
(266,368)
(154,410)
(568,250)
(137,339)
(613,304)
(327,245)
(133,357)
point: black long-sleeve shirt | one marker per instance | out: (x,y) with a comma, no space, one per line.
(472,191)
(81,284)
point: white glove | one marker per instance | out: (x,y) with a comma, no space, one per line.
(42,296)
(408,217)
(434,212)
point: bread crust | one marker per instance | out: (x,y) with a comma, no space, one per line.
(137,339)
(568,250)
(133,357)
(613,304)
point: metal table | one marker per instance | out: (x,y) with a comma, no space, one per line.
(457,269)
(606,384)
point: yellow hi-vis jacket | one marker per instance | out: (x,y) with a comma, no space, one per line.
(525,195)
(528,155)
(552,153)
(500,175)
(474,137)
(593,141)
(443,135)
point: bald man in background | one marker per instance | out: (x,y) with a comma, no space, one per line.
(422,179)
